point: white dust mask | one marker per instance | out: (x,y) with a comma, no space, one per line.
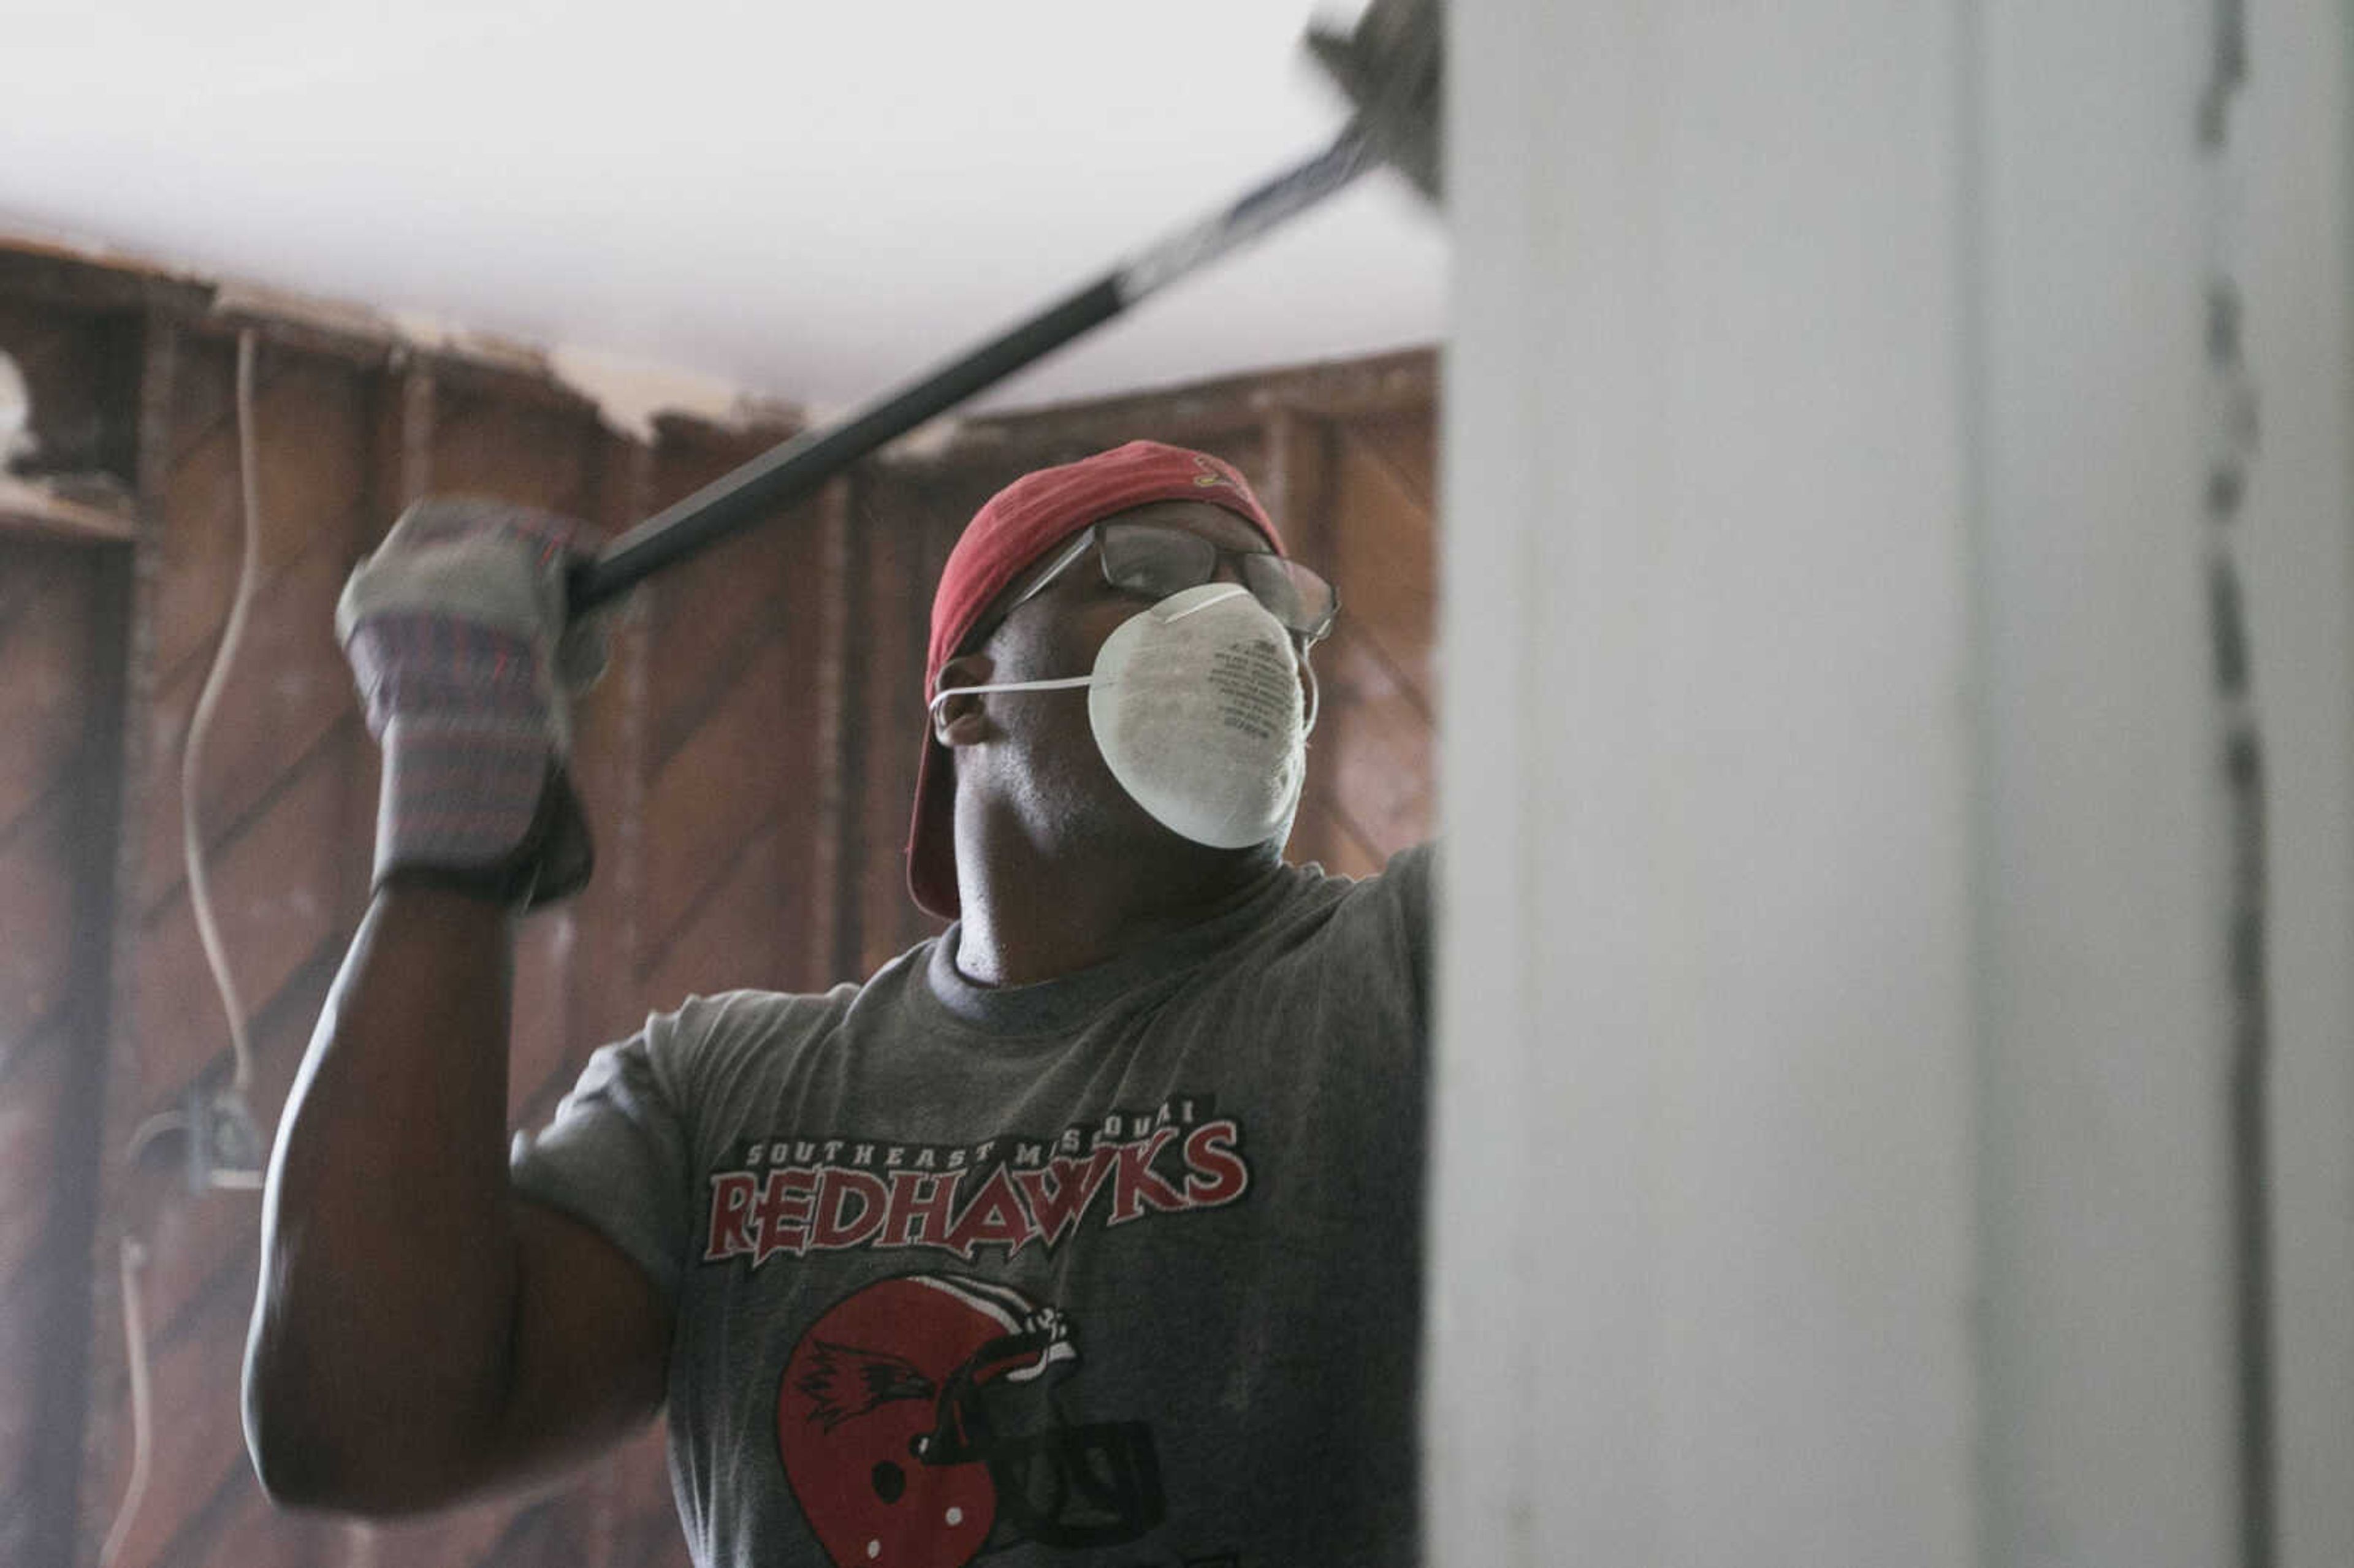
(1195,706)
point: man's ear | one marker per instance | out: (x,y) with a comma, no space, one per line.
(1311,695)
(959,718)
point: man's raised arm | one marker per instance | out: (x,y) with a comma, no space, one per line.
(421,1334)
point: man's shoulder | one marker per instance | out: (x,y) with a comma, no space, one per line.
(1375,928)
(746,1007)
(1403,885)
(750,1017)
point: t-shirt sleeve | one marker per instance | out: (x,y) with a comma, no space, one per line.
(617,1153)
(1398,915)
(1385,950)
(1409,877)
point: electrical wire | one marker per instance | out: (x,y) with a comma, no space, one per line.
(200,900)
(143,1415)
(204,1128)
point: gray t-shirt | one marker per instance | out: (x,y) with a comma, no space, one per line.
(1120,1270)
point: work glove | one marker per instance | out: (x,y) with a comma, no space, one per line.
(456,632)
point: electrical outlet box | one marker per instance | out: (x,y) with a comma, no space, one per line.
(224,1143)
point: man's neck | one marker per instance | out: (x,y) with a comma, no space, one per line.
(1028,918)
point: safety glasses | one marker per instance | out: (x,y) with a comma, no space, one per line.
(1155,560)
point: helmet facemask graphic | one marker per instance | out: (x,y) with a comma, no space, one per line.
(916,1428)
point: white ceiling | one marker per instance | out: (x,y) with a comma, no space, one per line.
(807,201)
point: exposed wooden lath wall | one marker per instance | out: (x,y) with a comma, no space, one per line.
(748,763)
(61,622)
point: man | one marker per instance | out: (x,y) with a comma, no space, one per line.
(1088,1234)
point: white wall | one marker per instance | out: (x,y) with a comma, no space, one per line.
(1831,1138)
(2104,1369)
(2298,266)
(1705,1077)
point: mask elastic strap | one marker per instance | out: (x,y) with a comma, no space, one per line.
(1064,683)
(1232,589)
(1315,696)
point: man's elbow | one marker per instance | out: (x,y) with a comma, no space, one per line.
(304,1462)
(292,1468)
(295,1460)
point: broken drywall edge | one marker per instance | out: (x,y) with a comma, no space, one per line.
(426,333)
(629,394)
(25,234)
(265,304)
(632,393)
(928,442)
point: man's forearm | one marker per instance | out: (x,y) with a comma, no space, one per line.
(380,1342)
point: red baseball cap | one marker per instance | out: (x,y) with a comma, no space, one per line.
(1013,528)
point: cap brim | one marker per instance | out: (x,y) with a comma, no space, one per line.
(931,834)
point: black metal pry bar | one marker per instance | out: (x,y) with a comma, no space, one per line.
(796,468)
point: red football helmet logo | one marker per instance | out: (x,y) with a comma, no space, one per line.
(896,1421)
